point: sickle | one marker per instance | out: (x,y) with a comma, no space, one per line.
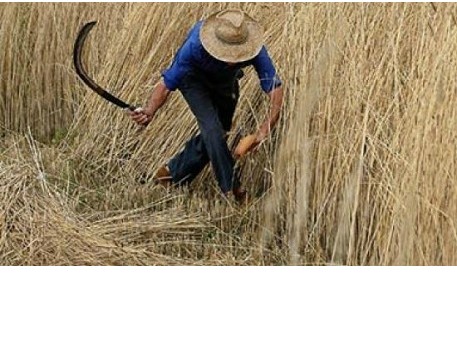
(82,73)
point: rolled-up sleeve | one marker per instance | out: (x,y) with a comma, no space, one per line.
(269,80)
(179,68)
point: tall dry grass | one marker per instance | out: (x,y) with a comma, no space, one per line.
(360,170)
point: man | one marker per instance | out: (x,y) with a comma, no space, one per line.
(206,71)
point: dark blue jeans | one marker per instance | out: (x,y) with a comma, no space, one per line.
(213,103)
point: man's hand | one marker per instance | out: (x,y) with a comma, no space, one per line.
(141,116)
(246,145)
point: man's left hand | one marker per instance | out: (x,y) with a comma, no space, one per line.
(250,144)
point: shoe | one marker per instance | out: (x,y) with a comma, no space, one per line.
(163,177)
(241,196)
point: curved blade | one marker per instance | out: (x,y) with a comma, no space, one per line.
(82,73)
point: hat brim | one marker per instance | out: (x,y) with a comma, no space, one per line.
(232,53)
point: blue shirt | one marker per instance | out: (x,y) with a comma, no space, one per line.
(192,55)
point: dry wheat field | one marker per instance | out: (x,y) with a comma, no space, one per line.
(361,169)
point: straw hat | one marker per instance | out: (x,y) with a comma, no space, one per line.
(232,36)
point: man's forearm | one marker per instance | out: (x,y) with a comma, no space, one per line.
(276,101)
(158,98)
